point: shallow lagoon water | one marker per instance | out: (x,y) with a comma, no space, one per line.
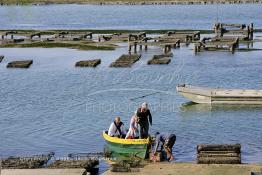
(138,17)
(54,106)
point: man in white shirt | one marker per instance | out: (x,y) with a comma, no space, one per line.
(117,129)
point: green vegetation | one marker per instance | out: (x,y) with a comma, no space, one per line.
(21,2)
(105,31)
(78,45)
(83,44)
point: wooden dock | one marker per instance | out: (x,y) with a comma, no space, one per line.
(166,45)
(242,31)
(121,37)
(15,37)
(4,35)
(184,36)
(216,43)
(1,58)
(171,39)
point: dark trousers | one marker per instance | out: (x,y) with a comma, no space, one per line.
(144,127)
(169,143)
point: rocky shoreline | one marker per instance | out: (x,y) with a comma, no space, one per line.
(86,163)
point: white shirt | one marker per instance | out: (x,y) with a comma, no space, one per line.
(132,132)
(112,131)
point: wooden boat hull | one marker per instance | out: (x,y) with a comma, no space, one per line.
(126,148)
(220,96)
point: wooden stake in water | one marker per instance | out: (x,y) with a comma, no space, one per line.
(0,165)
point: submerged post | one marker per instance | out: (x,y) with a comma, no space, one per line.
(178,43)
(129,44)
(232,48)
(198,36)
(145,43)
(135,47)
(129,48)
(251,31)
(195,48)
(167,48)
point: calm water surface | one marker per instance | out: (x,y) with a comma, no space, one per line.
(54,106)
(127,17)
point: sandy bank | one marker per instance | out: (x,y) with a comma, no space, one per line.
(42,171)
(194,169)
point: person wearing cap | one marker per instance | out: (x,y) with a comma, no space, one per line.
(168,141)
(144,118)
(116,128)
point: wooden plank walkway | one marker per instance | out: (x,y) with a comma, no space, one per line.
(149,41)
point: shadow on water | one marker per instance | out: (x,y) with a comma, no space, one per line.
(191,106)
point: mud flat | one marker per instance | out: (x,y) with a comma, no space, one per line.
(75,171)
(193,169)
(89,165)
(67,44)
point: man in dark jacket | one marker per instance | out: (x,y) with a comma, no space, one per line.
(144,118)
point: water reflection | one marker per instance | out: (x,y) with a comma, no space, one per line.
(191,106)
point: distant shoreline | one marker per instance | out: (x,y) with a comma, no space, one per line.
(127,2)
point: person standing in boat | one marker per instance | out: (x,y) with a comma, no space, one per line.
(168,141)
(133,129)
(144,118)
(116,128)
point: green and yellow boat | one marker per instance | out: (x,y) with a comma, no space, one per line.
(126,148)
